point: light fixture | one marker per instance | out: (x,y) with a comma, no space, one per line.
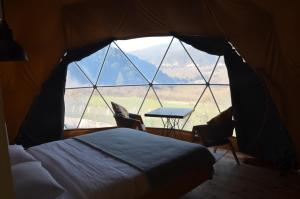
(9,49)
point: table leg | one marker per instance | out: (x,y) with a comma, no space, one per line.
(176,124)
(170,126)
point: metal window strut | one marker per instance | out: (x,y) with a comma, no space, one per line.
(104,59)
(85,108)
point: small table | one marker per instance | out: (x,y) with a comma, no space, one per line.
(172,115)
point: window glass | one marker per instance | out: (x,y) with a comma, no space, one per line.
(76,78)
(204,111)
(144,74)
(204,61)
(177,67)
(220,75)
(130,97)
(151,102)
(91,65)
(145,53)
(75,103)
(118,70)
(97,113)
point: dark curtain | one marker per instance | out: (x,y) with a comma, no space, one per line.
(259,131)
(45,120)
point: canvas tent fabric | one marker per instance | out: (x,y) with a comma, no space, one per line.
(266,33)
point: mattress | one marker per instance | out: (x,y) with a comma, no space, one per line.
(160,158)
(87,172)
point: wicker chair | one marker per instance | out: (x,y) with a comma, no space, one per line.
(127,120)
(216,133)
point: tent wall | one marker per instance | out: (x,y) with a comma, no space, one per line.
(38,27)
(266,33)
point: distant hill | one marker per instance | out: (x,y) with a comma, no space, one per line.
(117,70)
(177,63)
(155,53)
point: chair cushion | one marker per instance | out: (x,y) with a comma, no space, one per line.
(120,110)
(223,117)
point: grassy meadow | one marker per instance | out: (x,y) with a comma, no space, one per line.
(98,114)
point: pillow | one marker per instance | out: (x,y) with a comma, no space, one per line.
(31,181)
(223,117)
(120,110)
(143,127)
(17,154)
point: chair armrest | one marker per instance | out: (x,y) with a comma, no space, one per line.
(136,117)
(201,130)
(224,129)
(214,131)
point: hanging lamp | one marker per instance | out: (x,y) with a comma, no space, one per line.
(9,49)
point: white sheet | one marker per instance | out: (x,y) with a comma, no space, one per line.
(88,173)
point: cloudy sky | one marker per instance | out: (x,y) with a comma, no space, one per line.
(140,43)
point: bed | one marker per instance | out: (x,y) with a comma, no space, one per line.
(124,163)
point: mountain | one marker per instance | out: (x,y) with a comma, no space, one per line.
(178,63)
(117,70)
(177,66)
(155,53)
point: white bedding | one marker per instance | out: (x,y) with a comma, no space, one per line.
(92,175)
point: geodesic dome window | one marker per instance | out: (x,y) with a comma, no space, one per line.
(143,74)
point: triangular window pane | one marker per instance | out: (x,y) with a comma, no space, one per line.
(222,96)
(146,53)
(131,97)
(204,61)
(75,77)
(177,67)
(91,65)
(220,75)
(178,96)
(117,70)
(97,114)
(75,103)
(204,111)
(151,102)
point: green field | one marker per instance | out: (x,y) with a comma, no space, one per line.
(98,114)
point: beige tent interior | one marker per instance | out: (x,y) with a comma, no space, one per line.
(264,32)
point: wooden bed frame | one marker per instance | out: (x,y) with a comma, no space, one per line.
(180,185)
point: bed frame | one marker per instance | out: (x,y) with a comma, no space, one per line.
(180,185)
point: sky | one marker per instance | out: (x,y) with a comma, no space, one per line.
(141,43)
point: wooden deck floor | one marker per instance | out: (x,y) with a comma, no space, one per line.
(246,182)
